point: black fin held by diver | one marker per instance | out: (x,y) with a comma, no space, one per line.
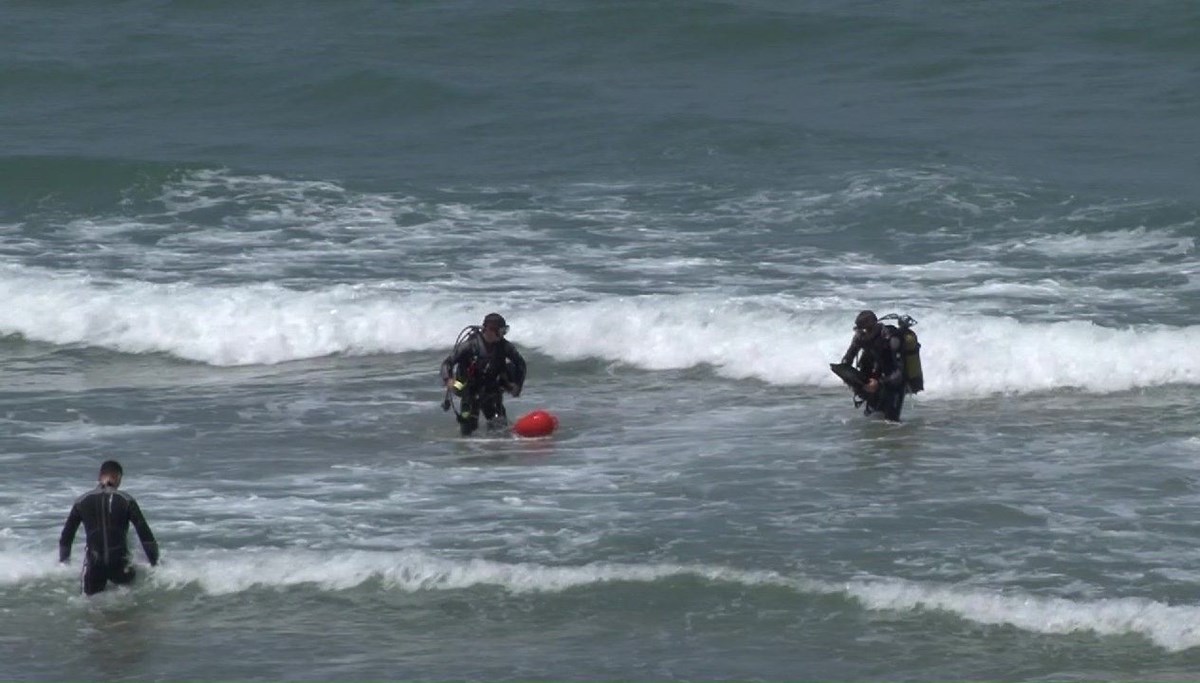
(850,375)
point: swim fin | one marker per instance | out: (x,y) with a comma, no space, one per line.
(852,376)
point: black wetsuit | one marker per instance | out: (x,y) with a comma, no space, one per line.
(883,359)
(485,370)
(106,514)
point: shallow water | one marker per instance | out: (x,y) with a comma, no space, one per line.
(235,243)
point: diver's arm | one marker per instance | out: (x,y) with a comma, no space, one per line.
(518,362)
(852,352)
(149,544)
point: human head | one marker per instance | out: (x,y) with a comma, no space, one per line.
(494,326)
(865,322)
(111,473)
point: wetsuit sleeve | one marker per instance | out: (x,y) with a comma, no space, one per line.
(68,534)
(143,531)
(855,346)
(518,365)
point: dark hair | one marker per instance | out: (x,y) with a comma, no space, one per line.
(865,319)
(494,320)
(111,467)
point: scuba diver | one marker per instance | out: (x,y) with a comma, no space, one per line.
(888,364)
(482,366)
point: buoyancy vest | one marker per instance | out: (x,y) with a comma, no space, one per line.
(482,366)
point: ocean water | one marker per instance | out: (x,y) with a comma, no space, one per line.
(237,240)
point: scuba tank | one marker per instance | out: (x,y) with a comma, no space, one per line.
(468,334)
(911,348)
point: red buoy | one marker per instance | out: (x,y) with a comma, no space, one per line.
(536,423)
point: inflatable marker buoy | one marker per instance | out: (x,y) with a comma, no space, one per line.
(537,423)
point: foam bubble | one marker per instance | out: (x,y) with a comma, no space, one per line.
(782,340)
(1108,243)
(82,430)
(18,565)
(1173,628)
(791,344)
(238,325)
(224,572)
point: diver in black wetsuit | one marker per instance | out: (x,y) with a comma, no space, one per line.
(482,366)
(881,366)
(106,514)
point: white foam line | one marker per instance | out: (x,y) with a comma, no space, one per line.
(1171,627)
